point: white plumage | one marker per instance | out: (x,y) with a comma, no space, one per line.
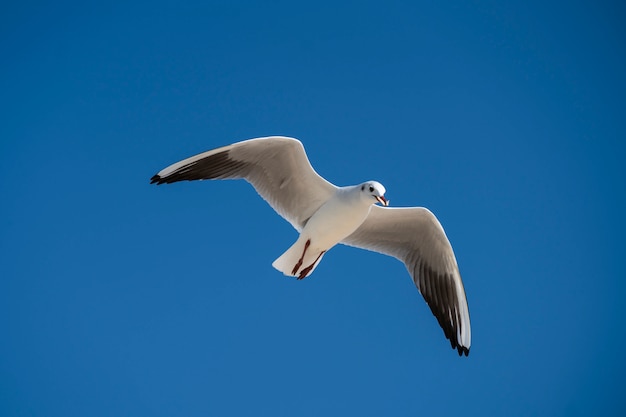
(324,214)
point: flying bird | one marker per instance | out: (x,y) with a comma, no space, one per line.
(325,215)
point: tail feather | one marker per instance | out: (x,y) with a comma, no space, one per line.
(287,262)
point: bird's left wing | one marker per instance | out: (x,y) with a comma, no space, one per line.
(414,236)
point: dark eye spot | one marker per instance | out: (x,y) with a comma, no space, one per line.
(362,187)
(371,189)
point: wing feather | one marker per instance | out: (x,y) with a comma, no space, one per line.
(414,236)
(276,166)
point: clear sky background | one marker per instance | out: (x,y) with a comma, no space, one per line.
(120,298)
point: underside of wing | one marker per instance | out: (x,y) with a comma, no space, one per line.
(276,166)
(414,236)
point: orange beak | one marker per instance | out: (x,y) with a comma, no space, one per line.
(382,200)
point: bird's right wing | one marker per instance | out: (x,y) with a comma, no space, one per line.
(276,166)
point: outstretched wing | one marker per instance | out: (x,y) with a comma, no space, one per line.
(414,236)
(276,166)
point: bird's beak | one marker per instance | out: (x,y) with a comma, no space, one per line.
(382,200)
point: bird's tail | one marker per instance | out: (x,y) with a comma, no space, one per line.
(299,260)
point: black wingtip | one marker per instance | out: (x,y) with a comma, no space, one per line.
(156,179)
(462,350)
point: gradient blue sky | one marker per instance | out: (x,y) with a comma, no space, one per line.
(120,298)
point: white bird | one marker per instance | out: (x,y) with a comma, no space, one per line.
(324,214)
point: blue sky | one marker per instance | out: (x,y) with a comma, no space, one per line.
(122,298)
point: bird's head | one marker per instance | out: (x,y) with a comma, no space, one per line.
(375,190)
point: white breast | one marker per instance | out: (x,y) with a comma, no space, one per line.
(338,218)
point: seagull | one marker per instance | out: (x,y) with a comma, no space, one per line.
(325,215)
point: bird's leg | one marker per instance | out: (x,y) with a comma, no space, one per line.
(299,264)
(306,270)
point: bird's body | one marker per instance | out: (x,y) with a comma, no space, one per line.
(335,220)
(325,215)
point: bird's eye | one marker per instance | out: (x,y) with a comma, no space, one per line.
(362,187)
(371,189)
